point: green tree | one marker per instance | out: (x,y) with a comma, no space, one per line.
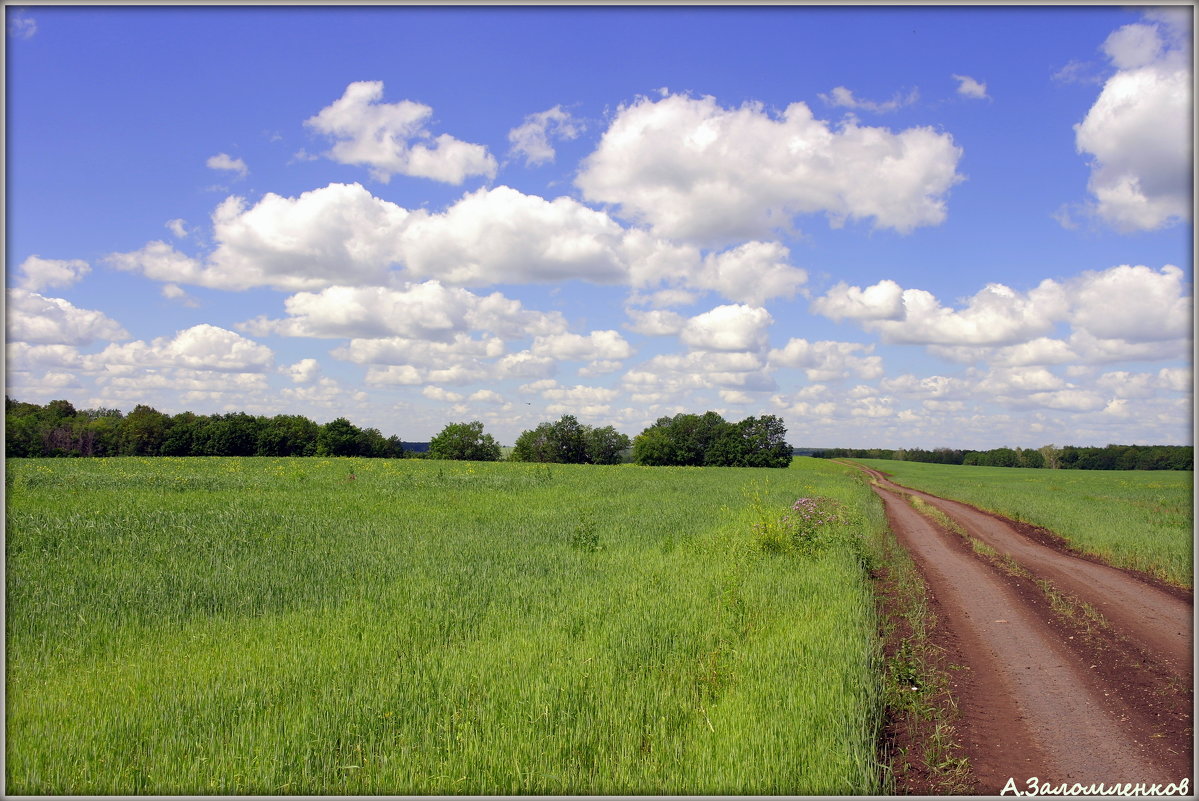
(372,443)
(535,445)
(338,437)
(570,440)
(287,435)
(728,450)
(694,435)
(232,434)
(183,437)
(22,428)
(653,447)
(688,440)
(395,448)
(1028,457)
(708,439)
(1049,456)
(58,429)
(605,445)
(143,431)
(101,437)
(464,441)
(564,441)
(764,441)
(998,457)
(1097,459)
(59,409)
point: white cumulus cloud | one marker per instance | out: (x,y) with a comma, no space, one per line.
(598,345)
(1070,400)
(968,87)
(931,387)
(728,328)
(996,315)
(339,233)
(38,273)
(751,273)
(656,322)
(881,301)
(24,356)
(461,349)
(667,377)
(201,347)
(441,394)
(503,235)
(525,364)
(425,311)
(531,138)
(1041,350)
(1124,310)
(40,320)
(343,235)
(695,170)
(580,395)
(1137,135)
(159,261)
(1133,46)
(486,396)
(177,293)
(393,138)
(1132,303)
(305,371)
(840,96)
(223,161)
(827,360)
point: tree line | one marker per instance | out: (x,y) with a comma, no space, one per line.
(1070,457)
(58,429)
(682,440)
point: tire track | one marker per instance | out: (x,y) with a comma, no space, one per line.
(1030,706)
(1161,623)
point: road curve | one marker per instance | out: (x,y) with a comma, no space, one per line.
(1162,623)
(1031,706)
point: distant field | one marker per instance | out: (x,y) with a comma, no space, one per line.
(340,626)
(1139,519)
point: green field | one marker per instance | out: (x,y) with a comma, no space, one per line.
(343,626)
(1130,518)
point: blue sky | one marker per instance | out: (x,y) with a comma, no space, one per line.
(894,227)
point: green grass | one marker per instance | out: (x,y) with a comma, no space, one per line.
(276,626)
(1130,518)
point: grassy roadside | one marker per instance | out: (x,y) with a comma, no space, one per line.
(921,745)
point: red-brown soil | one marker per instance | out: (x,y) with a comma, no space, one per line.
(1064,698)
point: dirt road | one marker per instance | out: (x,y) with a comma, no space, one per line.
(1063,697)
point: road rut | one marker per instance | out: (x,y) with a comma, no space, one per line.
(1032,701)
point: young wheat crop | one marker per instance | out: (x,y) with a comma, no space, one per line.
(269,626)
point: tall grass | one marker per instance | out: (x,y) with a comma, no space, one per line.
(1130,518)
(339,626)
